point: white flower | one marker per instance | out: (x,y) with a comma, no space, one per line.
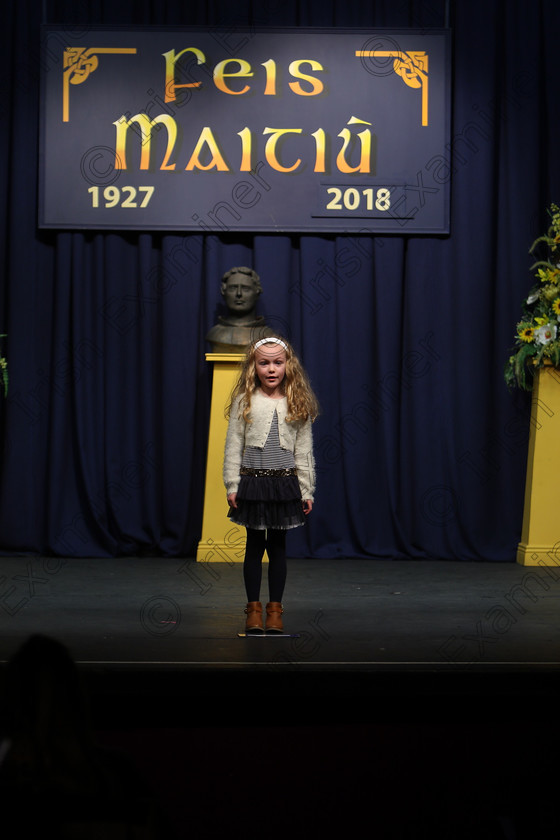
(543,335)
(535,296)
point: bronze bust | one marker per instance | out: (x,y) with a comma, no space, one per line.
(241,289)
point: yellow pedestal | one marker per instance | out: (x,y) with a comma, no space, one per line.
(540,536)
(221,541)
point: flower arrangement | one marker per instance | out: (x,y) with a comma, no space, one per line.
(537,342)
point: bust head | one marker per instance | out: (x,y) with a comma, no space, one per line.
(241,289)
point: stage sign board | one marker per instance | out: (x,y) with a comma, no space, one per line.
(264,130)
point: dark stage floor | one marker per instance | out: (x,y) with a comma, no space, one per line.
(150,622)
(417,698)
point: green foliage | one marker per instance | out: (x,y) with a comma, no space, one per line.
(537,340)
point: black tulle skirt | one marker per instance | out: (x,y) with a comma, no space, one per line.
(268,501)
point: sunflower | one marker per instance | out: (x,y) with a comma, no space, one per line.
(527,334)
(556,306)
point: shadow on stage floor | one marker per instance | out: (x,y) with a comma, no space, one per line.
(421,694)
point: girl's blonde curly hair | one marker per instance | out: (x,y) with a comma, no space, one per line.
(302,402)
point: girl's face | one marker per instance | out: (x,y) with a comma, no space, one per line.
(270,364)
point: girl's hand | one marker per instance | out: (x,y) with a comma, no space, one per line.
(232,500)
(307,506)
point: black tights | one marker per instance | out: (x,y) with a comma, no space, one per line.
(274,542)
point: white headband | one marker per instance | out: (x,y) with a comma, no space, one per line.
(270,341)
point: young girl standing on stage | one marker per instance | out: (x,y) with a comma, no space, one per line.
(269,470)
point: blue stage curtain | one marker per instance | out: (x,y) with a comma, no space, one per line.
(421,450)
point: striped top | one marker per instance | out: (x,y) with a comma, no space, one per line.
(272,456)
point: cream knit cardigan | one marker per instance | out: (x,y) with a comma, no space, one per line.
(296,437)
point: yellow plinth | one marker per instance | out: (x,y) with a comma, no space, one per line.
(221,541)
(540,536)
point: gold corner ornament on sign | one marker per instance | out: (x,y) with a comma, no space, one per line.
(411,66)
(78,64)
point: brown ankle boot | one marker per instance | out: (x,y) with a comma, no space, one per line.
(274,617)
(254,623)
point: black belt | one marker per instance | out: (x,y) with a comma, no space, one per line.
(249,471)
